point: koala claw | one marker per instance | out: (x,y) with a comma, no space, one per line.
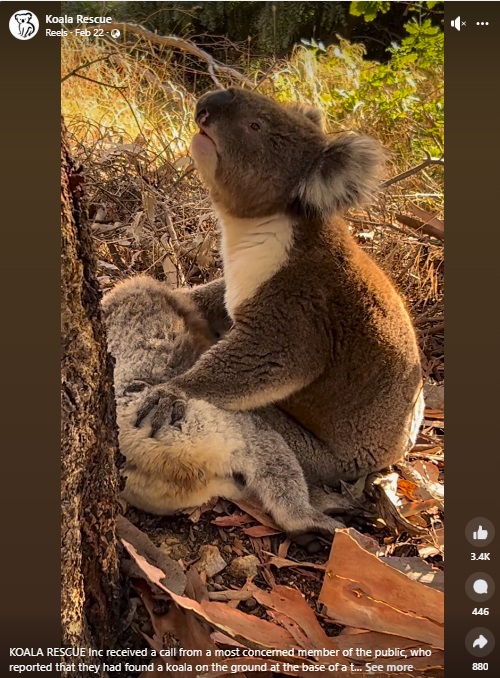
(170,408)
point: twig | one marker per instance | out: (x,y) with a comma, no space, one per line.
(225,596)
(147,74)
(189,170)
(428,161)
(418,225)
(428,317)
(185,46)
(88,63)
(437,329)
(120,90)
(98,82)
(214,77)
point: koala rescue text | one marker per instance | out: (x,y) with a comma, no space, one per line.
(314,326)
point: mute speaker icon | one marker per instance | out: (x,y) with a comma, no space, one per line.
(456,23)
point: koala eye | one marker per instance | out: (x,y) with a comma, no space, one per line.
(255,126)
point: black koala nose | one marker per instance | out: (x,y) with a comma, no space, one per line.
(212,103)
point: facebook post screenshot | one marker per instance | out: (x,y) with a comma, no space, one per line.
(224,375)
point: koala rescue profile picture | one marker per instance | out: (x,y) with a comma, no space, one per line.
(23,25)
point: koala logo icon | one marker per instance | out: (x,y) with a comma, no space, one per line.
(23,25)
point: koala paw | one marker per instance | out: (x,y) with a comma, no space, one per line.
(170,407)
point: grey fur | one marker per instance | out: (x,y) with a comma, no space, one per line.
(154,334)
(288,163)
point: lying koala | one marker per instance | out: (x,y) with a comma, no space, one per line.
(154,335)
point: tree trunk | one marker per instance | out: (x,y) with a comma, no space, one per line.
(89,452)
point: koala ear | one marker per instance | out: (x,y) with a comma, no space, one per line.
(346,174)
(311,112)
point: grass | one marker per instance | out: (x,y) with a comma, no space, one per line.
(129,120)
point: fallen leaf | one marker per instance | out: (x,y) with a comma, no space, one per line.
(389,483)
(351,631)
(294,629)
(412,508)
(260,552)
(261,531)
(252,630)
(427,217)
(172,575)
(283,548)
(235,520)
(292,603)
(108,265)
(427,489)
(407,488)
(222,639)
(418,521)
(427,470)
(195,587)
(185,627)
(196,513)
(236,624)
(256,513)
(284,562)
(386,502)
(427,551)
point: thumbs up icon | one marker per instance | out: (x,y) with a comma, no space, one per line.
(481,534)
(480,531)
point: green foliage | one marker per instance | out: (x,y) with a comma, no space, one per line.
(400,101)
(265,28)
(424,44)
(369,10)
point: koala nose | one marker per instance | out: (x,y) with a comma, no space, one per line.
(212,103)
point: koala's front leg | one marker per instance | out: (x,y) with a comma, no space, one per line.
(248,370)
(243,371)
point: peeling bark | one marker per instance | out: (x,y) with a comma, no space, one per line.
(90,582)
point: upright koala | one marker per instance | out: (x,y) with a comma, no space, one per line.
(24,25)
(316,328)
(154,335)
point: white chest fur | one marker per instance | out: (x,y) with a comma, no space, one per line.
(253,250)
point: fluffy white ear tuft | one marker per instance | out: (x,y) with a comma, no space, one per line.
(313,114)
(345,175)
